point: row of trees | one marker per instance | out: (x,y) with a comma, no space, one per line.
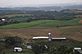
(9,43)
(38,15)
(39,48)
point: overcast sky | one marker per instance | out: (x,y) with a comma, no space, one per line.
(21,3)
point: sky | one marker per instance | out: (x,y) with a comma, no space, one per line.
(23,3)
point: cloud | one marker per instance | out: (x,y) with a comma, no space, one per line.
(13,3)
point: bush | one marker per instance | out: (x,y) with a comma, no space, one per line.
(13,41)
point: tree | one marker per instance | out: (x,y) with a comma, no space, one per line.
(13,41)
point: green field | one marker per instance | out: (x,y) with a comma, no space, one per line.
(43,23)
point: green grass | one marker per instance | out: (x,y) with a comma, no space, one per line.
(12,52)
(43,23)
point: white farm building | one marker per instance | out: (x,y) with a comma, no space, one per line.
(17,49)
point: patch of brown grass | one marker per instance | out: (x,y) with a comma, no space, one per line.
(74,32)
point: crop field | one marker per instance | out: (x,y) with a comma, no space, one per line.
(43,24)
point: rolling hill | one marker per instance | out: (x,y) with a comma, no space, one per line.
(43,23)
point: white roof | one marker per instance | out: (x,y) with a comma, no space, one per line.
(77,48)
(3,19)
(17,48)
(59,38)
(49,33)
(42,37)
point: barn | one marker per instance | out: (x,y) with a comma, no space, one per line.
(49,38)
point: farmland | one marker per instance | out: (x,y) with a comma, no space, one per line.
(68,28)
(43,24)
(36,23)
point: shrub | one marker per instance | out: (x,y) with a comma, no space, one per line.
(13,41)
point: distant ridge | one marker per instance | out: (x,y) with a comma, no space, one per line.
(44,8)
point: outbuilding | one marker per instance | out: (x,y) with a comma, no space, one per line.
(17,49)
(29,45)
(3,20)
(77,50)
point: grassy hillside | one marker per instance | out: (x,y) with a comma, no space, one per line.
(43,23)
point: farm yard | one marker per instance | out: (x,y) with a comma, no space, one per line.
(16,30)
